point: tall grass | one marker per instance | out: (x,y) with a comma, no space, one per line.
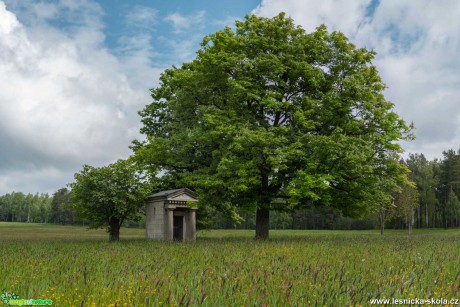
(229,268)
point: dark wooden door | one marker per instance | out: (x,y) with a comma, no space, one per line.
(178,234)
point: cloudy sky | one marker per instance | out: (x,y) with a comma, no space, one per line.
(74,73)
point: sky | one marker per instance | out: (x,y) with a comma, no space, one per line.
(74,73)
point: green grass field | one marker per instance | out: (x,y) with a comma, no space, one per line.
(78,267)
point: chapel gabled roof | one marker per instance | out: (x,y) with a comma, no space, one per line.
(171,194)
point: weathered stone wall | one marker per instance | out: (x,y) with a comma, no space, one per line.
(154,220)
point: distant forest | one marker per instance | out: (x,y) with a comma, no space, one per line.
(437,182)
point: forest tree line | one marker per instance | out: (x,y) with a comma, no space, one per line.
(437,183)
(38,208)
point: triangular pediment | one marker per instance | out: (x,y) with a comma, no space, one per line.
(182,197)
(175,195)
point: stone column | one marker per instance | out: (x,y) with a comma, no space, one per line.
(191,225)
(169,224)
(187,226)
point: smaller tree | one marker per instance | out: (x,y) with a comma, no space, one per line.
(107,196)
(383,198)
(406,202)
(385,211)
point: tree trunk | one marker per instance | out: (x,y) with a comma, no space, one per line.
(114,230)
(410,223)
(114,234)
(262,223)
(426,215)
(419,218)
(382,222)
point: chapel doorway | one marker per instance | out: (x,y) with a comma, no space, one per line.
(178,234)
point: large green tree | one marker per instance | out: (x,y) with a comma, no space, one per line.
(107,196)
(267,117)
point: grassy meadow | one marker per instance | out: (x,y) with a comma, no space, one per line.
(78,267)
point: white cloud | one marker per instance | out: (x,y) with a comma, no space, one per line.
(417,42)
(182,46)
(71,13)
(136,55)
(183,23)
(65,100)
(46,10)
(343,15)
(135,48)
(25,180)
(8,22)
(229,21)
(142,17)
(182,50)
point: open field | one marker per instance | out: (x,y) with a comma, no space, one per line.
(77,267)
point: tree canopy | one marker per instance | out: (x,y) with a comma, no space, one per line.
(268,117)
(107,196)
